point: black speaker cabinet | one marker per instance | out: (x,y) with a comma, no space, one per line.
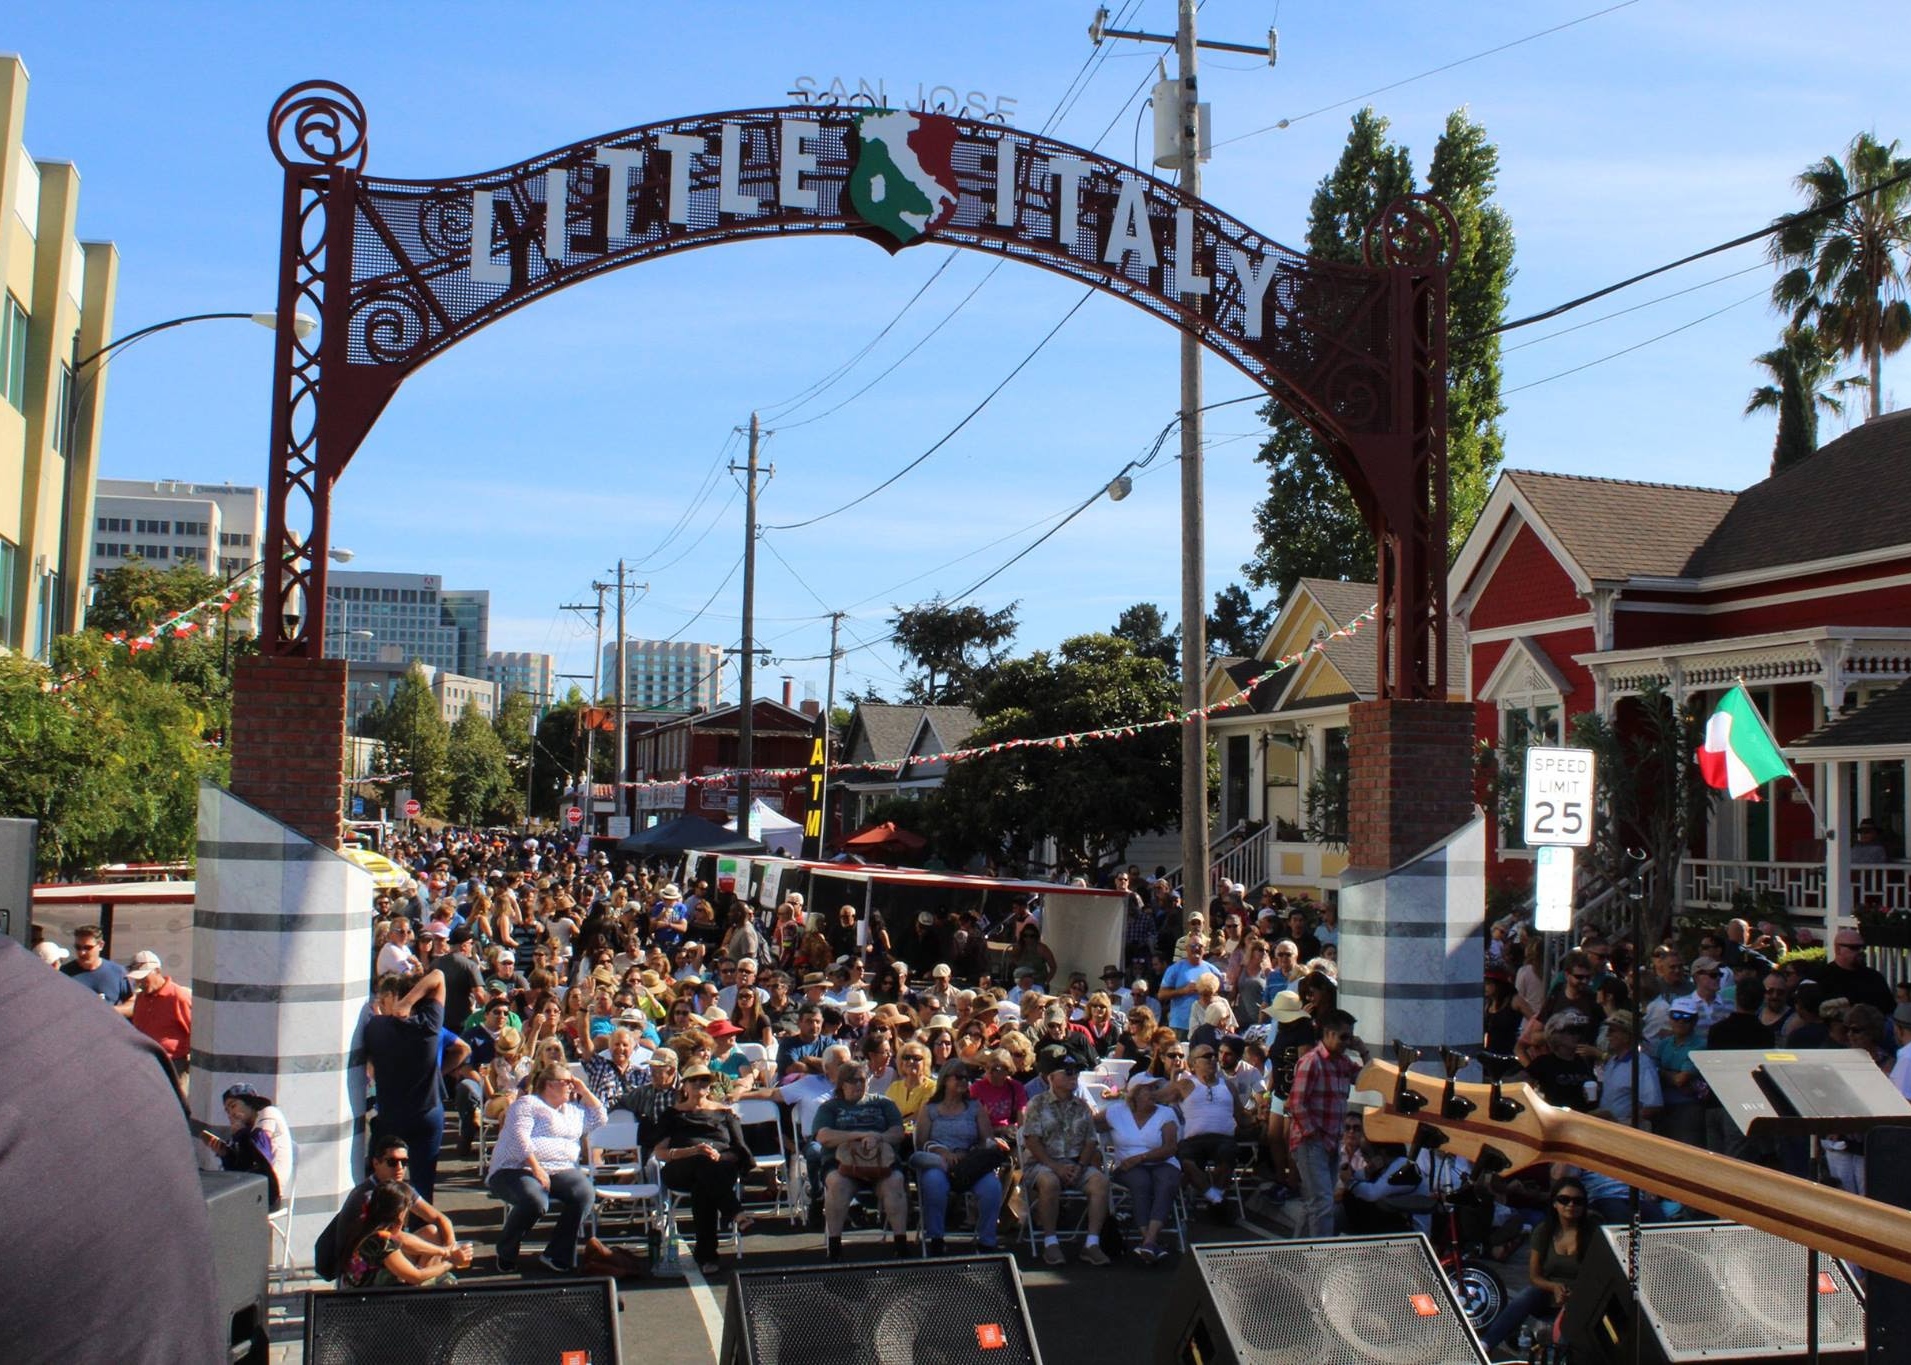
(1716,1292)
(1887,1301)
(563,1322)
(962,1310)
(1335,1299)
(241,1255)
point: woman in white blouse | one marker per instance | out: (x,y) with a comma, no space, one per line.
(1143,1137)
(535,1164)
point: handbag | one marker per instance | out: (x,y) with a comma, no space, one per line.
(870,1172)
(977,1162)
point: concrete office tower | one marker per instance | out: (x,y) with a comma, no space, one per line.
(520,671)
(56,306)
(398,617)
(667,675)
(218,528)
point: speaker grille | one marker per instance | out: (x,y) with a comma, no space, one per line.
(1721,1289)
(1348,1301)
(951,1312)
(480,1325)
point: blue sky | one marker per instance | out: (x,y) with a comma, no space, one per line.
(529,458)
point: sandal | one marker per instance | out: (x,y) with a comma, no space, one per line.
(743,1222)
(710,1269)
(1147,1253)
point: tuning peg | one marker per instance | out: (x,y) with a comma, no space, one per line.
(1499,1108)
(1405,1099)
(1426,1138)
(1491,1161)
(1453,1105)
(1498,1065)
(1453,1060)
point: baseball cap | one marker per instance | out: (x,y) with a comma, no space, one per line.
(1686,1007)
(144,965)
(462,934)
(51,953)
(1621,1019)
(941,969)
(631,1016)
(1055,1014)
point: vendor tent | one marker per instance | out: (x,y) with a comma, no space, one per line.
(775,830)
(687,833)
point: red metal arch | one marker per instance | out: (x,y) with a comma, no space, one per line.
(389,269)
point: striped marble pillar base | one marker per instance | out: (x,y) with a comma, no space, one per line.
(1413,945)
(282,934)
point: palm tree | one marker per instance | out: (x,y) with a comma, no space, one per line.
(1802,384)
(1846,263)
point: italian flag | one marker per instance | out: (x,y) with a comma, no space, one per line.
(1739,753)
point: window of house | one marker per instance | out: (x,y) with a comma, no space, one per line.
(13,354)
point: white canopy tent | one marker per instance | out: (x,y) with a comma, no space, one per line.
(773,829)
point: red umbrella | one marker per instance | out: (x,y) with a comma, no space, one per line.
(886,835)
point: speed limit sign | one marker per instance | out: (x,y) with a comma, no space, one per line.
(412,808)
(1559,797)
(575,815)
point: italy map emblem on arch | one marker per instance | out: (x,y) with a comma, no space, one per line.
(904,177)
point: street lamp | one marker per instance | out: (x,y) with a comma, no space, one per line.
(303,325)
(340,555)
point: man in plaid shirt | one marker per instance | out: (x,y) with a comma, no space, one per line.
(1316,1108)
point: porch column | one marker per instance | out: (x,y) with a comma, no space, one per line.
(1838,822)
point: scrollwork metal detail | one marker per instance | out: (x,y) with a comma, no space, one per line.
(1416,230)
(318,122)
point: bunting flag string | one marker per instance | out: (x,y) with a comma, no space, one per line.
(180,623)
(1059,742)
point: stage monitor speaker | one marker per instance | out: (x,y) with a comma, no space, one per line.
(1888,1301)
(18,841)
(241,1255)
(1338,1301)
(1714,1291)
(963,1310)
(562,1322)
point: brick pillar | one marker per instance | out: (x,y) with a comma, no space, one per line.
(1410,778)
(288,742)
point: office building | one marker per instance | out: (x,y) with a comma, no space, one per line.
(399,617)
(667,675)
(56,307)
(520,671)
(373,682)
(218,528)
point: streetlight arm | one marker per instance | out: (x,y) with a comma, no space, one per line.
(131,337)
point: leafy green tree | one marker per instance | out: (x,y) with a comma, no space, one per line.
(513,724)
(1846,268)
(412,732)
(109,763)
(479,787)
(134,595)
(1090,798)
(1236,626)
(559,754)
(1144,627)
(1802,384)
(1309,526)
(955,647)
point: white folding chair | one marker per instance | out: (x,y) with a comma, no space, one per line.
(280,1221)
(762,1122)
(756,1052)
(625,1176)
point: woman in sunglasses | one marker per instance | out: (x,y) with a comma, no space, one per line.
(1558,1248)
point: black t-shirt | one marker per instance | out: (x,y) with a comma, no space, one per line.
(93,1126)
(1860,985)
(463,978)
(404,1058)
(1563,1081)
(1739,1030)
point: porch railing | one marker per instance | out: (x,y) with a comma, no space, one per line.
(1248,861)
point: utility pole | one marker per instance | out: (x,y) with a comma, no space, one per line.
(597,691)
(829,707)
(746,716)
(623,672)
(1186,155)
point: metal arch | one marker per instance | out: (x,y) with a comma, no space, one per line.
(387,266)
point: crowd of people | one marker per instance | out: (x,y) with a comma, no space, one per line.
(526,995)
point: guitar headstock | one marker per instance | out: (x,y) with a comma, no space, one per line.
(1504,1128)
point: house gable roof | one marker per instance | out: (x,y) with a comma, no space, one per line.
(1620,528)
(879,732)
(941,729)
(1884,720)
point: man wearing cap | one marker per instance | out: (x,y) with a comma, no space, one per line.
(161,1009)
(1060,1152)
(1615,1074)
(1178,984)
(1058,1038)
(667,918)
(464,975)
(1316,1113)
(1683,1119)
(648,1096)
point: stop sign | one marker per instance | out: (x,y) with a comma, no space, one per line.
(412,809)
(575,815)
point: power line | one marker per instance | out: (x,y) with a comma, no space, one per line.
(1621,312)
(1630,349)
(1775,226)
(1433,71)
(948,435)
(697,499)
(698,616)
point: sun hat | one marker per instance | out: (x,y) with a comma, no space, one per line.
(1285,1007)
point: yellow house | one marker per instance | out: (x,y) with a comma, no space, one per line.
(1290,736)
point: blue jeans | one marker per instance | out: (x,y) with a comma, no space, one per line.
(934,1181)
(1530,1302)
(1151,1189)
(1319,1168)
(529,1201)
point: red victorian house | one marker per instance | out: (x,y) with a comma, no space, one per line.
(1574,592)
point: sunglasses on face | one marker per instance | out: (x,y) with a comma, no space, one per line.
(396,1160)
(1570,1201)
